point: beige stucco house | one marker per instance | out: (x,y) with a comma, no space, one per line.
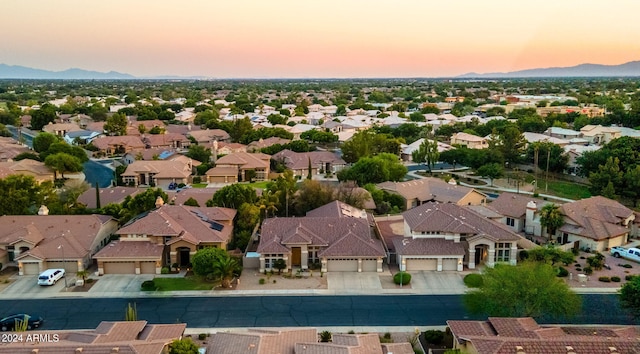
(424,190)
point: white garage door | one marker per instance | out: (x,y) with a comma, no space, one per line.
(71,267)
(31,268)
(449,264)
(421,264)
(148,267)
(119,268)
(342,265)
(369,265)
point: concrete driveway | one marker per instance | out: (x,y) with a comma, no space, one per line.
(119,283)
(26,286)
(430,282)
(345,282)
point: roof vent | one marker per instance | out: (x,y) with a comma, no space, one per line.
(78,350)
(570,350)
(613,350)
(520,350)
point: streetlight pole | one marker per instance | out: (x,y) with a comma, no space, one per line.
(64,266)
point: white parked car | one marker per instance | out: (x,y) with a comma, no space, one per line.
(50,276)
(632,254)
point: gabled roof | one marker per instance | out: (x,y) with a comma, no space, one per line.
(130,249)
(300,160)
(160,169)
(452,218)
(426,189)
(104,142)
(514,204)
(115,195)
(244,160)
(597,218)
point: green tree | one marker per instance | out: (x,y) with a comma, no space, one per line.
(377,169)
(191,202)
(416,117)
(225,268)
(310,195)
(609,173)
(551,218)
(204,260)
(632,185)
(248,216)
(232,196)
(550,254)
(529,289)
(116,124)
(199,153)
(629,295)
(367,143)
(284,187)
(43,116)
(491,171)
(512,144)
(42,141)
(558,159)
(63,162)
(183,346)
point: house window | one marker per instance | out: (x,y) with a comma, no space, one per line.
(269,259)
(503,251)
(166,239)
(313,255)
(511,222)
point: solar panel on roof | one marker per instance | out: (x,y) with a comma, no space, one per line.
(216,226)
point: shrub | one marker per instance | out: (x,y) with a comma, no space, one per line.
(164,270)
(351,332)
(386,338)
(615,279)
(434,336)
(325,336)
(417,351)
(148,285)
(578,265)
(523,255)
(473,280)
(562,272)
(629,277)
(89,281)
(202,336)
(262,281)
(627,265)
(197,179)
(387,335)
(588,270)
(604,279)
(181,185)
(403,278)
(575,251)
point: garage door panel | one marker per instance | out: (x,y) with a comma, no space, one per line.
(119,268)
(421,264)
(31,268)
(369,265)
(449,264)
(148,267)
(71,267)
(342,265)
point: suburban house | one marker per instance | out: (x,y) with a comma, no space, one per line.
(301,341)
(81,136)
(407,150)
(159,173)
(236,167)
(597,223)
(469,141)
(109,337)
(10,148)
(166,235)
(322,162)
(562,133)
(424,190)
(38,242)
(166,140)
(597,134)
(111,145)
(61,129)
(519,211)
(342,243)
(27,167)
(223,148)
(208,136)
(446,236)
(523,335)
(106,196)
(139,127)
(255,146)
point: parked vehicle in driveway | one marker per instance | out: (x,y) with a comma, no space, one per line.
(9,323)
(50,276)
(627,253)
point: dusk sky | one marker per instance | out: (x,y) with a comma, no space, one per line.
(309,38)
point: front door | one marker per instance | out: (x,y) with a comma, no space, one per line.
(184,254)
(296,253)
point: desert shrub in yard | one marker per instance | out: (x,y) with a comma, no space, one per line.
(325,336)
(615,279)
(89,281)
(434,336)
(562,272)
(202,336)
(629,277)
(148,285)
(604,279)
(402,278)
(473,280)
(627,265)
(588,270)
(164,270)
(262,281)
(578,265)
(386,338)
(523,255)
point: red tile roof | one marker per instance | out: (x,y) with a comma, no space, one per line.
(130,249)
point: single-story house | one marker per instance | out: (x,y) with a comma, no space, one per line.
(322,162)
(469,140)
(35,243)
(159,173)
(424,190)
(111,145)
(36,169)
(237,167)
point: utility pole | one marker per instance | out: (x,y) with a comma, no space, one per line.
(546,179)
(535,165)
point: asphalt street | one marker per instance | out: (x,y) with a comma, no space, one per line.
(284,311)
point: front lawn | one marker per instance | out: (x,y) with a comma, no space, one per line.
(179,284)
(564,189)
(199,185)
(259,185)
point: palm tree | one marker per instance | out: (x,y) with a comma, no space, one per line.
(82,274)
(551,218)
(269,201)
(225,267)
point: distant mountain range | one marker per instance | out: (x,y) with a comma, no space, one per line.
(631,68)
(583,70)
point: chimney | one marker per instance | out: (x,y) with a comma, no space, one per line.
(570,350)
(613,350)
(159,202)
(78,350)
(115,350)
(43,210)
(520,350)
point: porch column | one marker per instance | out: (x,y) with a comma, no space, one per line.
(379,265)
(261,264)
(472,258)
(158,267)
(513,253)
(137,267)
(491,258)
(100,267)
(359,265)
(459,264)
(323,262)
(304,257)
(439,266)
(20,268)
